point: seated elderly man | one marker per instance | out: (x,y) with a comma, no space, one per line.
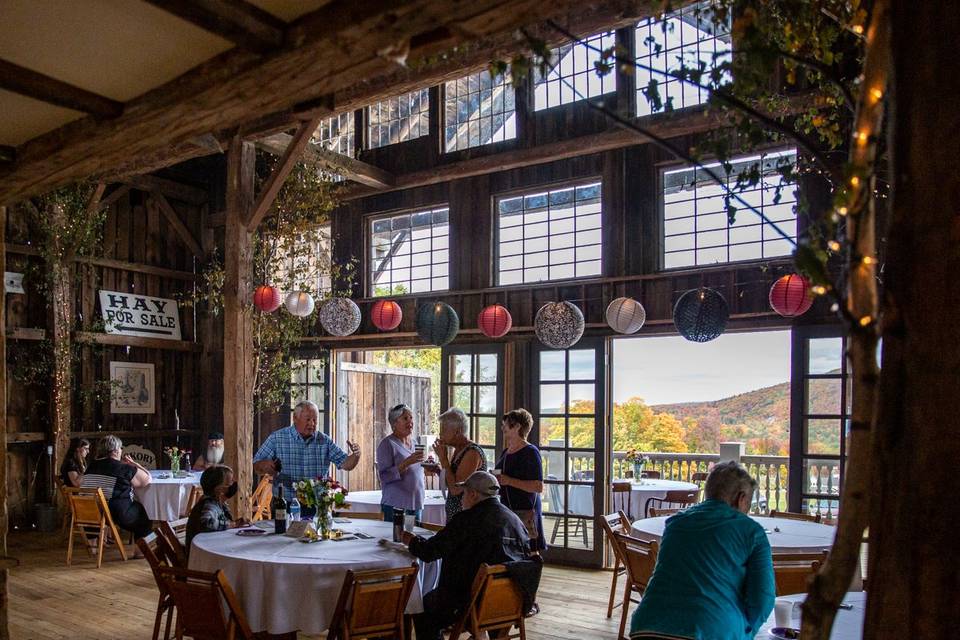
(213,455)
(714,574)
(300,451)
(211,512)
(484,532)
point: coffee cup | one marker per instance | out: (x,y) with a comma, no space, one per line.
(409,520)
(783,612)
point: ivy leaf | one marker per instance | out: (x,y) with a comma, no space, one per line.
(812,263)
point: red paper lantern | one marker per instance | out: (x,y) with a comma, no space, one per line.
(494,321)
(790,296)
(386,315)
(266,298)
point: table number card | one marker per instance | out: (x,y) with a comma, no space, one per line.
(297,528)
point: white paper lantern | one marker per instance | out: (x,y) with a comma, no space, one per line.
(299,303)
(626,315)
(340,316)
(559,324)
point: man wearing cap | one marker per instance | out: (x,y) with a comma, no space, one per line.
(213,454)
(485,532)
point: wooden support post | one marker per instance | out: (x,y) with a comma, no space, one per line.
(238,320)
(4,597)
(59,273)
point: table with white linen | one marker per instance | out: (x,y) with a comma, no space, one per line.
(369,502)
(285,585)
(848,624)
(581,496)
(785,536)
(166,498)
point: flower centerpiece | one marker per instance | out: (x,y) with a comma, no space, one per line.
(321,495)
(175,454)
(638,460)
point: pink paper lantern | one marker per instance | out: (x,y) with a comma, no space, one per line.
(790,296)
(495,321)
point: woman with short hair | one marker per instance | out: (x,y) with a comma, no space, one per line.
(399,468)
(118,478)
(75,462)
(467,457)
(521,474)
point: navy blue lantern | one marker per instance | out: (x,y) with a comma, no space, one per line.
(437,323)
(700,315)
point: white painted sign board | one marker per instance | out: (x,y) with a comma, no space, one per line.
(132,314)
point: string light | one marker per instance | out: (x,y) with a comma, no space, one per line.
(842,211)
(855,181)
(818,289)
(862,138)
(868,260)
(865,320)
(876,94)
(834,245)
(858,29)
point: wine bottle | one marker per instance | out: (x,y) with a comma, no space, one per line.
(278,507)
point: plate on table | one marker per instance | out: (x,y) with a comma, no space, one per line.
(784,633)
(251,532)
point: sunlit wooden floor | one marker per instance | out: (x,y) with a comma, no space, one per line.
(50,600)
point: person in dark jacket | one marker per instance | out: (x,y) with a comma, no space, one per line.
(211,513)
(485,532)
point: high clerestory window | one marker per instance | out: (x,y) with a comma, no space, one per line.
(573,76)
(549,234)
(409,253)
(478,109)
(686,38)
(398,119)
(337,134)
(696,231)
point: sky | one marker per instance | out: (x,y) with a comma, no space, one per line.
(670,369)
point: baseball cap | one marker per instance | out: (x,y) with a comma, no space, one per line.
(482,482)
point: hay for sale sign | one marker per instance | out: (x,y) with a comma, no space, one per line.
(131,314)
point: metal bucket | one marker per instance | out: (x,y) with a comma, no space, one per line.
(46,515)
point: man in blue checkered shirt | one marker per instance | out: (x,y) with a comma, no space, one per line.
(299,451)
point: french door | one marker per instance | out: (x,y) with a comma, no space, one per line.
(568,407)
(471,379)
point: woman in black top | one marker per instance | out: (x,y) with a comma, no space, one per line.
(466,458)
(521,475)
(75,462)
(118,479)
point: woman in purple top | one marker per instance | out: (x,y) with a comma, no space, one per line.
(398,465)
(521,475)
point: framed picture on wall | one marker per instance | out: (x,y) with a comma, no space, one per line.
(133,388)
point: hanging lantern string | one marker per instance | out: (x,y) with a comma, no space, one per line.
(740,284)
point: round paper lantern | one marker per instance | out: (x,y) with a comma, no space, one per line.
(299,303)
(266,298)
(700,315)
(494,321)
(626,315)
(559,324)
(340,316)
(437,323)
(790,296)
(386,315)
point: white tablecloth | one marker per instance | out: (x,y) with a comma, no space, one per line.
(581,496)
(369,502)
(785,536)
(285,585)
(166,498)
(847,626)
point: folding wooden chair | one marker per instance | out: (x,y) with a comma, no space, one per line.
(650,475)
(171,540)
(673,499)
(621,496)
(699,479)
(260,499)
(361,516)
(371,604)
(196,493)
(495,606)
(640,559)
(157,559)
(656,513)
(789,515)
(199,598)
(792,571)
(90,517)
(613,523)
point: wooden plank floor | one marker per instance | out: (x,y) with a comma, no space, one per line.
(49,600)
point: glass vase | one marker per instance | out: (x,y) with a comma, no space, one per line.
(175,464)
(324,523)
(638,471)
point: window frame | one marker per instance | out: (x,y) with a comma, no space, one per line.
(516,114)
(368,222)
(426,108)
(614,76)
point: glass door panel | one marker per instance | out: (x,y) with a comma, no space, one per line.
(470,380)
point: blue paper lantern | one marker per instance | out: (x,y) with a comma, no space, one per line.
(700,315)
(437,323)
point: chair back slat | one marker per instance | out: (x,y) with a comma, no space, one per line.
(85,506)
(196,493)
(200,598)
(651,475)
(792,571)
(260,499)
(169,542)
(639,557)
(656,513)
(677,498)
(372,603)
(496,603)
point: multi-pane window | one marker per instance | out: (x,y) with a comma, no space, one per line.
(398,119)
(409,253)
(472,387)
(308,381)
(549,235)
(686,39)
(336,133)
(305,264)
(573,75)
(478,109)
(696,231)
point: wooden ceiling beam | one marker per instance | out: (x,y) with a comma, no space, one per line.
(336,56)
(244,24)
(171,188)
(8,153)
(350,168)
(35,85)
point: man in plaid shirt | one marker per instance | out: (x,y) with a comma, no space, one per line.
(299,451)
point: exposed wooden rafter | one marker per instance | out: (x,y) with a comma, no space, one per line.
(35,85)
(350,168)
(173,219)
(298,142)
(7,153)
(169,188)
(244,24)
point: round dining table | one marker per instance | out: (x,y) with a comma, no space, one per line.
(848,624)
(784,535)
(581,496)
(165,498)
(369,502)
(285,585)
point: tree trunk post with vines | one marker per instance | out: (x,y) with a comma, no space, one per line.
(60,281)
